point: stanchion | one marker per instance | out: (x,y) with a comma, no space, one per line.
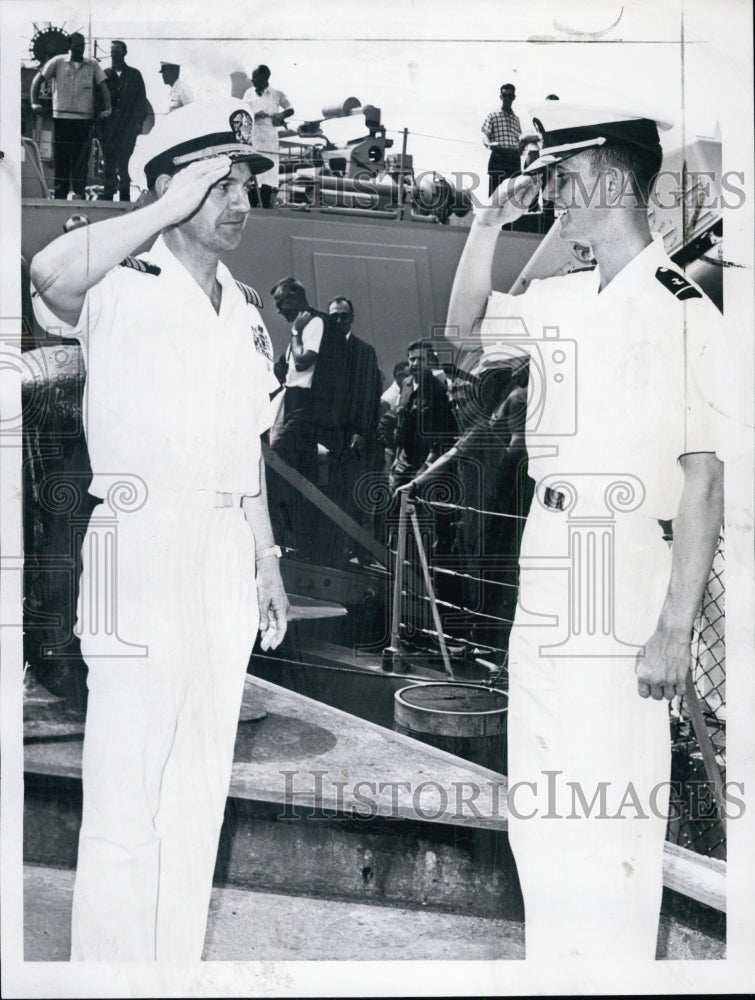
(393,655)
(431,593)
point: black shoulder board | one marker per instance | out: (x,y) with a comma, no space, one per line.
(252,297)
(677,284)
(140,265)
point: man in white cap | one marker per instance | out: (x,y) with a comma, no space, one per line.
(626,430)
(180,92)
(179,372)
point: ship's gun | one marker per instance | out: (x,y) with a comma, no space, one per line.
(329,167)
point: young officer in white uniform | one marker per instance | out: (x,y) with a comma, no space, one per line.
(623,429)
(179,372)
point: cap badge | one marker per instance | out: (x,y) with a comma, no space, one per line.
(242,124)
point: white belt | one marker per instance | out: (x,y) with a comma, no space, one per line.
(206,498)
(228,499)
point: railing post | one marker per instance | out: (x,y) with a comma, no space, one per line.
(401,175)
(431,594)
(393,655)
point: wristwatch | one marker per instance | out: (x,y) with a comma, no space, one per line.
(272,550)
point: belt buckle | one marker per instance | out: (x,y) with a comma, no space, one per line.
(224,499)
(553,499)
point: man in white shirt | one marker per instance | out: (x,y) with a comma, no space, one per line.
(293,435)
(180,92)
(179,376)
(624,428)
(390,397)
(270,108)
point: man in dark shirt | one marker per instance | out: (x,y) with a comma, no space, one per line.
(129,101)
(356,406)
(425,424)
(360,381)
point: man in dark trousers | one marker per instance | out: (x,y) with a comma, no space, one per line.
(74,80)
(129,102)
(358,403)
(307,362)
(292,436)
(501,132)
(360,381)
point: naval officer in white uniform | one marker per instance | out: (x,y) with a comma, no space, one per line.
(624,428)
(179,376)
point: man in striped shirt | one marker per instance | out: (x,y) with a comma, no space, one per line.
(501,132)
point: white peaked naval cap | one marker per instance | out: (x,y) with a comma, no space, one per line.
(196,131)
(565,129)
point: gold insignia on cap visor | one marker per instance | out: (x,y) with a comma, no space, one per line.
(241,124)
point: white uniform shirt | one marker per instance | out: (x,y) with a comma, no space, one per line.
(622,381)
(179,95)
(311,338)
(265,134)
(175,392)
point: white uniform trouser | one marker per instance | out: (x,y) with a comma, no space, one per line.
(160,728)
(591,883)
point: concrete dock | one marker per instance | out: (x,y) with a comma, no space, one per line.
(249,926)
(328,852)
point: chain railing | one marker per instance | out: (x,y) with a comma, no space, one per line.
(698,727)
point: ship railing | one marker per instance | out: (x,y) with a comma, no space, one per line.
(698,805)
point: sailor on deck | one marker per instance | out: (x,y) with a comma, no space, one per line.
(624,428)
(180,93)
(179,372)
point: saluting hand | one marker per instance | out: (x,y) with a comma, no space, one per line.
(188,188)
(508,202)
